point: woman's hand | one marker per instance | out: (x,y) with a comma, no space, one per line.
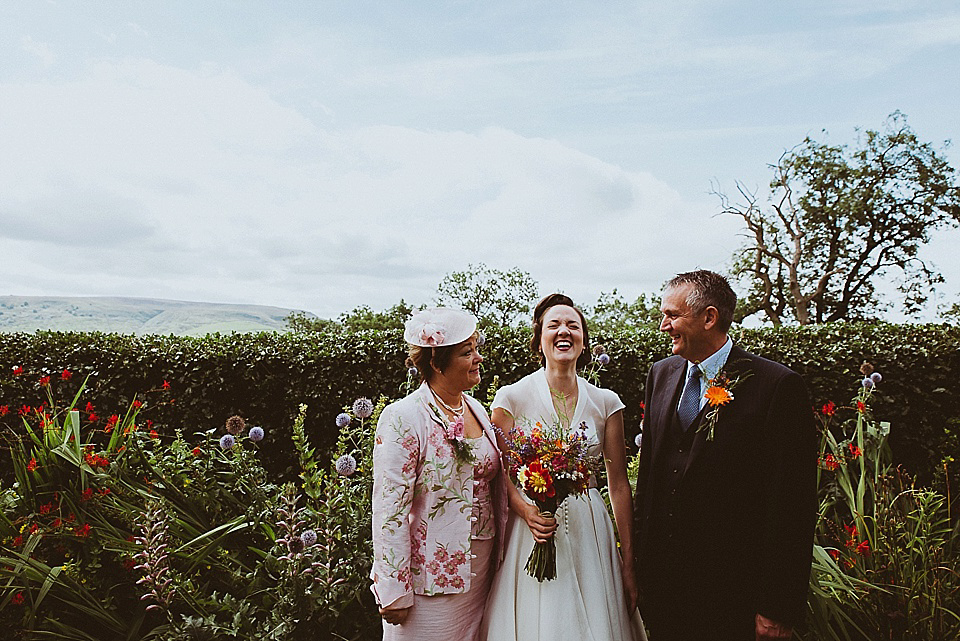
(395,617)
(542,527)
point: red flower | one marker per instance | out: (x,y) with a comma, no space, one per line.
(17,371)
(44,381)
(111,423)
(87,494)
(65,375)
(834,553)
(829,408)
(137,404)
(855,452)
(166,385)
(83,531)
(17,542)
(17,599)
(24,410)
(851,530)
(830,463)
(864,548)
(154,435)
(89,407)
(32,465)
(33,528)
(46,508)
(197,451)
(57,522)
(861,407)
(93,418)
(104,491)
(4,410)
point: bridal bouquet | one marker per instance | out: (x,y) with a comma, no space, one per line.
(549,464)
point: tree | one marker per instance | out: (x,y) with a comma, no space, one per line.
(840,220)
(362,317)
(612,312)
(495,297)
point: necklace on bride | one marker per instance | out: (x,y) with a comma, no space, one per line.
(456,411)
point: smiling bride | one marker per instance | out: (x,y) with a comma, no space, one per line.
(594,595)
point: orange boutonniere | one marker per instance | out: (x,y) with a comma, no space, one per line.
(719,393)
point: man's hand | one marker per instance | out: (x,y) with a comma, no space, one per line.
(770,630)
(395,617)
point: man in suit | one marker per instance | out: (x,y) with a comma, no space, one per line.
(726,497)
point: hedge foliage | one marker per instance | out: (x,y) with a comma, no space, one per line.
(264,377)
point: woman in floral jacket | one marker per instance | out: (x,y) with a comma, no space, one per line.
(439,496)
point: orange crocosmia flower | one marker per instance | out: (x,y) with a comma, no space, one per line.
(717,395)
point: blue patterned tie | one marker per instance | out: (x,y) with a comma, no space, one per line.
(690,399)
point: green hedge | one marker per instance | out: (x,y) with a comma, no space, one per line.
(264,377)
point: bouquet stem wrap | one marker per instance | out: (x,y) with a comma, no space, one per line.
(542,563)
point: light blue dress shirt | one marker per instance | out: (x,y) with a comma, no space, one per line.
(709,368)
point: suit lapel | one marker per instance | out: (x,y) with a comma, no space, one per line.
(737,362)
(666,402)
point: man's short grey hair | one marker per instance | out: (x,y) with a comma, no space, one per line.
(710,289)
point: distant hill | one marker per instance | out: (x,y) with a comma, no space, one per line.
(135,315)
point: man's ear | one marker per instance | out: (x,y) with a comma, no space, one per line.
(711,317)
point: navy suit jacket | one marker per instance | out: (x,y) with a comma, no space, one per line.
(746,503)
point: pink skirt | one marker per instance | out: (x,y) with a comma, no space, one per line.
(449,616)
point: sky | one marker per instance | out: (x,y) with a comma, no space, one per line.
(326,155)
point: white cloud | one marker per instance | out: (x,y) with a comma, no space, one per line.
(41,50)
(197,184)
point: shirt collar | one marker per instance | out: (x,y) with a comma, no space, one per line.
(712,365)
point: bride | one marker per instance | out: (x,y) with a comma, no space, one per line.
(594,596)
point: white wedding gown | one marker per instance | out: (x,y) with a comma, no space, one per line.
(586,601)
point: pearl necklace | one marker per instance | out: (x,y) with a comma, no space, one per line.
(456,411)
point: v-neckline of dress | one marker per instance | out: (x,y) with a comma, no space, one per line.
(546,397)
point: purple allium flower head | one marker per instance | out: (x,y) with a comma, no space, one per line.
(309,537)
(412,372)
(867,383)
(346,465)
(876,377)
(256,434)
(638,439)
(227,441)
(481,339)
(363,408)
(343,419)
(603,359)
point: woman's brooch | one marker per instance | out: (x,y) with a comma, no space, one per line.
(455,435)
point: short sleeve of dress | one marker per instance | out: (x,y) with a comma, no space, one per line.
(611,403)
(503,399)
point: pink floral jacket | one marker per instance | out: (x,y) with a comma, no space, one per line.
(422,504)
